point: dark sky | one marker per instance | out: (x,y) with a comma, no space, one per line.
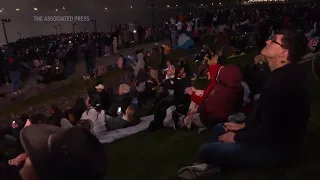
(118,11)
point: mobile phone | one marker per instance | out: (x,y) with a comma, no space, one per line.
(119,110)
(13,122)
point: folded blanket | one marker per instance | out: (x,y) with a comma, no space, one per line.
(121,133)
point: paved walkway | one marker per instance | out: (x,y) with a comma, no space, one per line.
(81,69)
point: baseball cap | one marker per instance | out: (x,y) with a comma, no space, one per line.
(100,86)
(57,153)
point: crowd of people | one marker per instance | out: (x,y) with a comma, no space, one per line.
(54,57)
(274,90)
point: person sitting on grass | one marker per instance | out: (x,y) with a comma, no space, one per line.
(123,120)
(57,154)
(202,70)
(218,101)
(275,133)
(137,66)
(70,119)
(140,87)
(95,115)
(197,96)
(105,99)
(123,100)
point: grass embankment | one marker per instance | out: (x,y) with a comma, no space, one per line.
(159,155)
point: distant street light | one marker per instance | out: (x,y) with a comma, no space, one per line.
(95,25)
(60,28)
(73,24)
(151,5)
(56,29)
(4,28)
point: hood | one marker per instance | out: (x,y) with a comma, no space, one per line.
(140,57)
(229,76)
(213,70)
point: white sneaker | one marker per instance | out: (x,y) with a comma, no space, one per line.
(14,93)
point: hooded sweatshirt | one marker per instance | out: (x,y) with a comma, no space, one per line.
(213,70)
(224,99)
(139,65)
(98,122)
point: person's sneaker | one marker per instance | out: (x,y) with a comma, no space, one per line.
(14,93)
(196,170)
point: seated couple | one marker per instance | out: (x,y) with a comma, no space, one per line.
(95,119)
(274,135)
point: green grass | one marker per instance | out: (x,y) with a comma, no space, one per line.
(63,91)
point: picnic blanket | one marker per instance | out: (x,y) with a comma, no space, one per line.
(121,133)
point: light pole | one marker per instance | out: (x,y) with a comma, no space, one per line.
(60,28)
(56,29)
(95,25)
(151,5)
(73,24)
(19,35)
(4,28)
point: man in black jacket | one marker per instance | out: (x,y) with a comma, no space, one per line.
(275,133)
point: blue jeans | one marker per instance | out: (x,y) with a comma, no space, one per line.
(15,79)
(237,154)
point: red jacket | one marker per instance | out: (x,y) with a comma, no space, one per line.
(213,70)
(226,98)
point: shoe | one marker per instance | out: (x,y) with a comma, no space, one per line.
(196,170)
(14,93)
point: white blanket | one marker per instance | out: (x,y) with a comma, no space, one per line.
(121,133)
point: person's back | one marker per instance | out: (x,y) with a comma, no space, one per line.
(97,120)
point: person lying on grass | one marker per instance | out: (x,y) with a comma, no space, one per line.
(123,120)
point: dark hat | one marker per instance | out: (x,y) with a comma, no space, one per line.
(57,153)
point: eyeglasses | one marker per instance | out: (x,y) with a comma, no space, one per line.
(274,41)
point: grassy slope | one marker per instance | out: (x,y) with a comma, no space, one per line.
(159,155)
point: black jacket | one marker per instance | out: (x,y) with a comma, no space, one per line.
(180,97)
(123,101)
(105,100)
(282,112)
